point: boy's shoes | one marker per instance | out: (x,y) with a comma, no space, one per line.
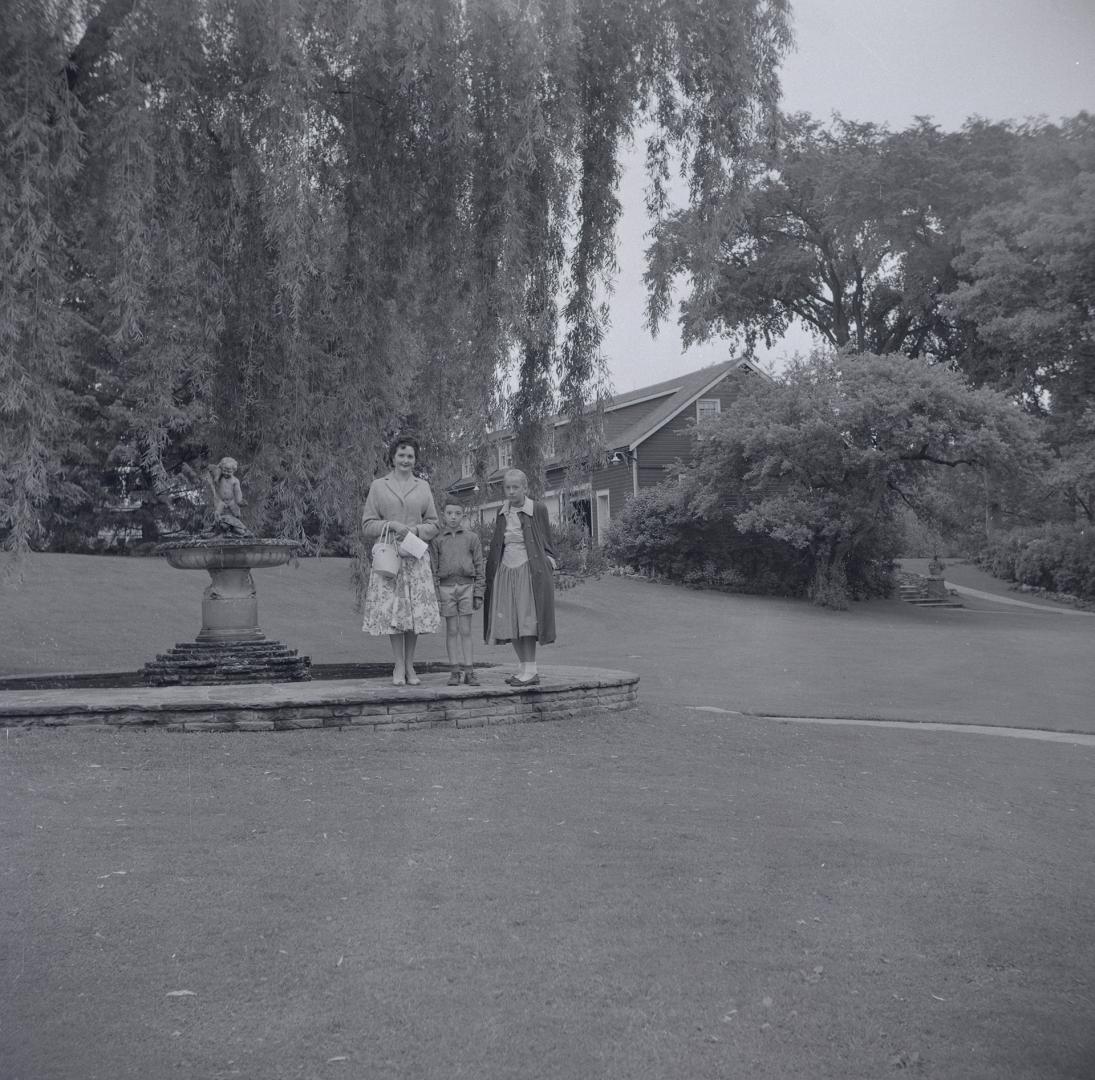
(455,677)
(470,678)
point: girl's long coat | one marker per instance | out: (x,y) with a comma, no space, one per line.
(537,530)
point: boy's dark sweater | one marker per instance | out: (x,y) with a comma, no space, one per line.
(458,554)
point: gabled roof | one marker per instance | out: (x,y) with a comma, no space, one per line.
(617,401)
(641,393)
(691,387)
(676,395)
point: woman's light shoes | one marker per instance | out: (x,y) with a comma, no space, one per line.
(405,678)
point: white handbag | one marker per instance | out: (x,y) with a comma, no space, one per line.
(385,556)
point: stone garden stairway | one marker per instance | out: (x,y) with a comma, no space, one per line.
(914,589)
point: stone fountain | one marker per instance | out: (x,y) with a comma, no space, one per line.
(231,648)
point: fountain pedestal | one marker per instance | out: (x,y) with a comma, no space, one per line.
(230,647)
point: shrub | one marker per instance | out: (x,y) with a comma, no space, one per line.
(1056,557)
(658,533)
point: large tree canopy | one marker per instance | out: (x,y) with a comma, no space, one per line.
(1028,268)
(282,228)
(822,461)
(850,228)
(971,248)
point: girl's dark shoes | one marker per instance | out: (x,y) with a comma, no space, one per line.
(513,680)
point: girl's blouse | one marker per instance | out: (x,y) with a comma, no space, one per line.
(514,552)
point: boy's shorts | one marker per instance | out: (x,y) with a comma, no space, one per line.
(457,599)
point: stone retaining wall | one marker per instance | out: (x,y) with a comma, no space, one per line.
(564,693)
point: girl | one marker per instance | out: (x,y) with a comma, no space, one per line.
(519,604)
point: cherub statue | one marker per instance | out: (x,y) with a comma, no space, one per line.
(227,497)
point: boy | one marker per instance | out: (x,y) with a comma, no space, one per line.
(460,572)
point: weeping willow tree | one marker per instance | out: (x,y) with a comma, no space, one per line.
(286,228)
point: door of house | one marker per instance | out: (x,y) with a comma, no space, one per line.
(581,513)
(603,515)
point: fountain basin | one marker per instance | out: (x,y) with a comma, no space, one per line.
(231,646)
(222,553)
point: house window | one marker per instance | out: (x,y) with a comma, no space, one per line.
(505,454)
(467,465)
(708,407)
(549,443)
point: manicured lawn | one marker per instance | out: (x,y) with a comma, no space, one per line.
(985,663)
(666,893)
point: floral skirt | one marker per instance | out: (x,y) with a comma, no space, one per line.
(407,602)
(512,604)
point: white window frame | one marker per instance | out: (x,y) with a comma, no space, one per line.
(467,464)
(549,443)
(505,454)
(717,402)
(603,520)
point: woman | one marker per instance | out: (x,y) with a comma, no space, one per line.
(519,604)
(404,606)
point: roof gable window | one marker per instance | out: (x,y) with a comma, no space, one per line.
(706,408)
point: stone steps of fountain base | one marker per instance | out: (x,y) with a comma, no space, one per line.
(212,663)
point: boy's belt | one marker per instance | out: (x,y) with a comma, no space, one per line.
(458,579)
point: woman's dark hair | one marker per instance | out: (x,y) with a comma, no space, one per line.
(404,440)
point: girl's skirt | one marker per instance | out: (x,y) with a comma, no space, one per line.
(513,607)
(404,603)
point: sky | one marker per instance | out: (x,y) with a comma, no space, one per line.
(887,61)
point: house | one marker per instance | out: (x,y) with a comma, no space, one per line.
(644,432)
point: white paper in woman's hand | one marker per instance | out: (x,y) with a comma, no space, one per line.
(413,546)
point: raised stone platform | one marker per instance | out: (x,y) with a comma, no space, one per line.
(361,704)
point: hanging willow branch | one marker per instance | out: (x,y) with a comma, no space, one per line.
(283,230)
